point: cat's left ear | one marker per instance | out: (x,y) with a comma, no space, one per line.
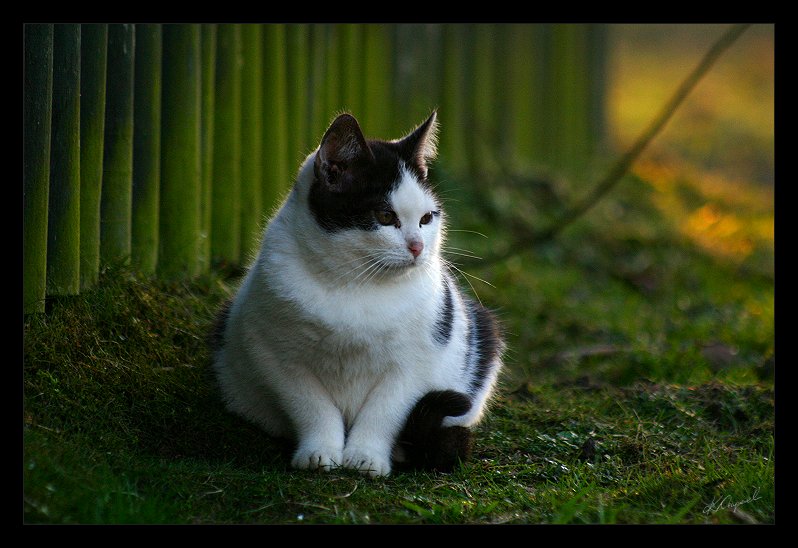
(421,146)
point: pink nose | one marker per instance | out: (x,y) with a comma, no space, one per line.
(416,247)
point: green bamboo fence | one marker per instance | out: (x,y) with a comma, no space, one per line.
(117,188)
(147,147)
(168,146)
(276,153)
(93,56)
(37,115)
(208,96)
(63,221)
(297,73)
(252,151)
(180,219)
(225,193)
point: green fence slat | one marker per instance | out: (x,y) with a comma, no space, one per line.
(352,65)
(417,82)
(37,112)
(117,189)
(277,172)
(63,220)
(332,73)
(93,57)
(206,155)
(377,83)
(523,120)
(226,199)
(454,97)
(146,147)
(252,153)
(298,100)
(483,97)
(179,247)
(597,44)
(320,114)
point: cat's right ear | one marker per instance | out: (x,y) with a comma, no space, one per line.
(342,147)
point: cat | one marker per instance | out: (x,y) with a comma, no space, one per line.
(348,333)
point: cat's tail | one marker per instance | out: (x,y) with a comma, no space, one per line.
(424,443)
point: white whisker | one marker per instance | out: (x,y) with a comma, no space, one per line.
(450,265)
(469,231)
(468,254)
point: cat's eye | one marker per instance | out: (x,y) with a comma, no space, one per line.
(386,217)
(426,219)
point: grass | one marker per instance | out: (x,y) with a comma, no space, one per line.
(639,388)
(122,425)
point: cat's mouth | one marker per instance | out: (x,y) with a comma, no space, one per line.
(387,268)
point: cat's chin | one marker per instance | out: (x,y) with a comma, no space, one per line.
(397,270)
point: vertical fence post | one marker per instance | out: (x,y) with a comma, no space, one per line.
(597,37)
(351,74)
(332,73)
(320,114)
(569,97)
(226,199)
(146,147)
(523,120)
(208,95)
(179,247)
(252,153)
(377,96)
(483,133)
(93,57)
(116,198)
(63,221)
(454,97)
(36,163)
(297,77)
(276,171)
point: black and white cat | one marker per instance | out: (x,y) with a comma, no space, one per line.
(348,333)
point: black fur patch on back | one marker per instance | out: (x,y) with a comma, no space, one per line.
(485,340)
(443,325)
(216,335)
(430,446)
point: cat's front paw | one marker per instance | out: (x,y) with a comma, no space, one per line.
(315,458)
(367,461)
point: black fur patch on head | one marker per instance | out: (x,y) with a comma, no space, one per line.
(360,188)
(430,446)
(353,176)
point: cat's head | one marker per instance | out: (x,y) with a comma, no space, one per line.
(372,199)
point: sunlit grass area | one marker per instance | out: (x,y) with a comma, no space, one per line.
(640,376)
